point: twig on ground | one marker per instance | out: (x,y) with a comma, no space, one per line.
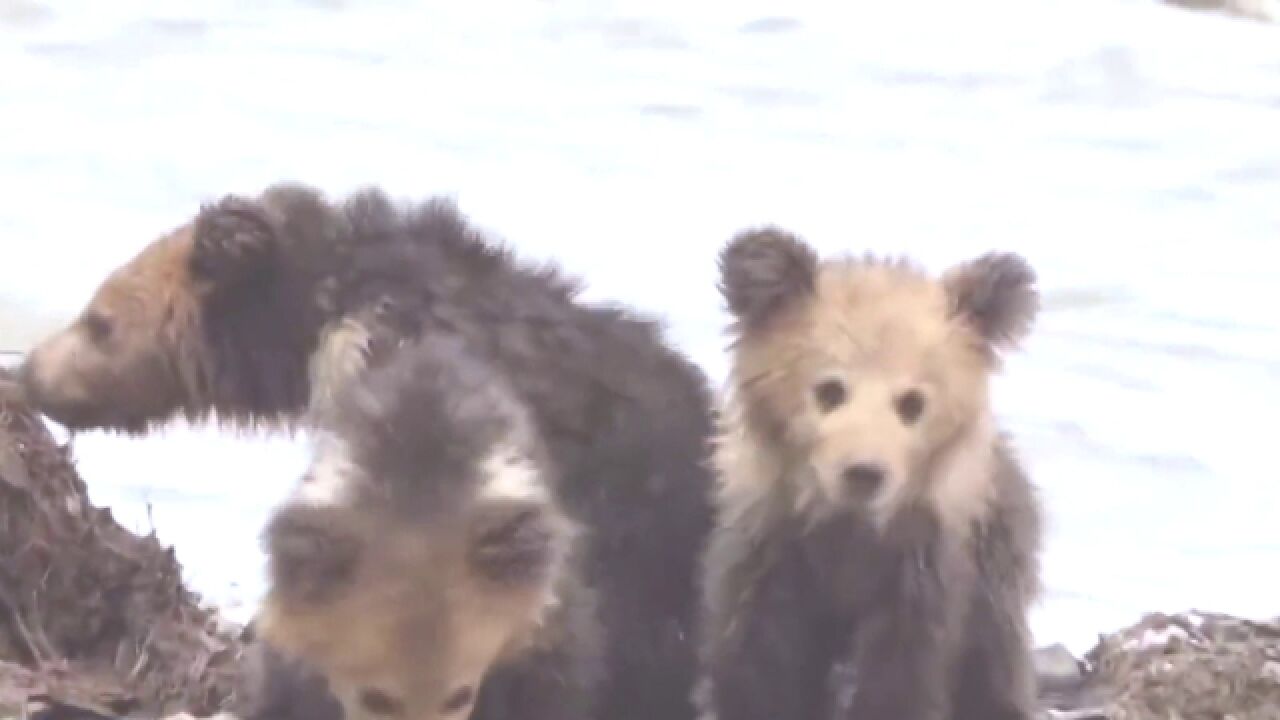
(36,655)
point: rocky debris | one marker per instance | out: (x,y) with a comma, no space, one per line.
(1264,10)
(1065,689)
(1191,666)
(90,613)
(1061,677)
(1187,666)
(1057,668)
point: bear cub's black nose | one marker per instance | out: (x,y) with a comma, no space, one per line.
(863,479)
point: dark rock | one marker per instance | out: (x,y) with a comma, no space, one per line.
(1057,668)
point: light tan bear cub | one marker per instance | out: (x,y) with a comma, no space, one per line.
(876,545)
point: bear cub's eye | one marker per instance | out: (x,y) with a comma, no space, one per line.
(98,327)
(379,703)
(458,700)
(909,405)
(830,394)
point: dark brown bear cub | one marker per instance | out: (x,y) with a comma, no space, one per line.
(876,547)
(261,309)
(426,564)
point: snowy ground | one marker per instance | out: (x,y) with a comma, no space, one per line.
(1130,150)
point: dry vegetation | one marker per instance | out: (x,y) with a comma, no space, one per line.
(90,612)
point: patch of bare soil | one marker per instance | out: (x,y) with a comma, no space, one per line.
(90,613)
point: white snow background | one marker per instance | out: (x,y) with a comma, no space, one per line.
(1131,151)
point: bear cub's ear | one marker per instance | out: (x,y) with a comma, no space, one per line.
(516,542)
(311,553)
(764,268)
(996,293)
(235,239)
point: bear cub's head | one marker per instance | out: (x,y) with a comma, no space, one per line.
(864,375)
(424,546)
(214,315)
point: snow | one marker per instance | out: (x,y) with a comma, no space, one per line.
(1130,150)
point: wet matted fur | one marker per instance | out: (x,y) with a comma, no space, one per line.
(876,548)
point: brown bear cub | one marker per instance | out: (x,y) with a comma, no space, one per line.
(876,547)
(426,565)
(260,310)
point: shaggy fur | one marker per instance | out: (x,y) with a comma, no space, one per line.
(274,686)
(260,307)
(876,546)
(434,578)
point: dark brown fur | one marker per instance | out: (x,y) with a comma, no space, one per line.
(415,567)
(762,269)
(904,602)
(230,313)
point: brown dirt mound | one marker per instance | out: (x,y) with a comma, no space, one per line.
(1191,666)
(91,613)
